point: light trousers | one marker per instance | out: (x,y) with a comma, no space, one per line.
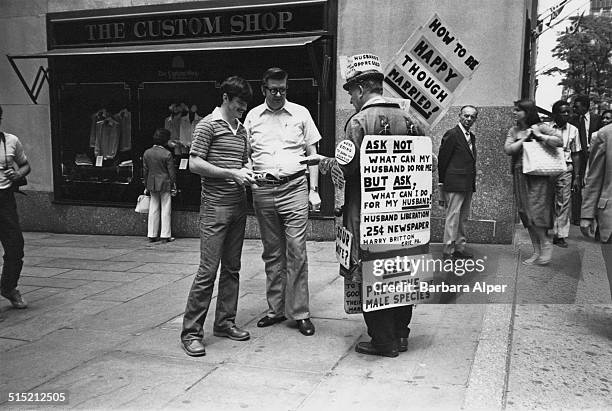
(563,193)
(457,213)
(160,206)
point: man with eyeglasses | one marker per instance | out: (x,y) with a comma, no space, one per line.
(457,181)
(280,134)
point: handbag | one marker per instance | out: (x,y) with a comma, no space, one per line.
(540,159)
(142,204)
(22,181)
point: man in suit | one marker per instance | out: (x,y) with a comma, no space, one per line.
(586,123)
(457,181)
(597,195)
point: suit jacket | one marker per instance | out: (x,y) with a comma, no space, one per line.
(594,125)
(456,162)
(158,169)
(597,192)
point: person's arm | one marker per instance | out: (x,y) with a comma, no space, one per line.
(547,135)
(577,166)
(202,167)
(313,193)
(23,167)
(145,172)
(171,170)
(513,146)
(447,147)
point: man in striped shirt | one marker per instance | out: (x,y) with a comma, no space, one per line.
(219,154)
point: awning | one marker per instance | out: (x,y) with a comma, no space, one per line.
(173,47)
(34,90)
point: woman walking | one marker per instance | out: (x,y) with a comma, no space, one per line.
(534,194)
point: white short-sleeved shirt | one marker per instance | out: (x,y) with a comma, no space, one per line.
(14,157)
(571,140)
(279,138)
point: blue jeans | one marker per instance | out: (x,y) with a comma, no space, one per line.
(282,214)
(221,238)
(12,241)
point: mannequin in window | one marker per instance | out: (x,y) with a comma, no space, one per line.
(173,124)
(189,120)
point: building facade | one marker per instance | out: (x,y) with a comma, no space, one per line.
(86,84)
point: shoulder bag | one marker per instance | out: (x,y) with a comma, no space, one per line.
(540,159)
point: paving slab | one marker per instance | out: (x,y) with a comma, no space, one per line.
(128,381)
(36,327)
(9,343)
(83,253)
(239,387)
(51,282)
(144,312)
(52,298)
(161,268)
(158,256)
(80,264)
(365,393)
(30,365)
(284,347)
(560,357)
(135,288)
(29,271)
(117,276)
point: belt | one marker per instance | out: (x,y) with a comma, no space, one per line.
(269,180)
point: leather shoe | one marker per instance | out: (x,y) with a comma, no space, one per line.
(153,239)
(268,321)
(402,344)
(306,327)
(166,240)
(369,349)
(194,348)
(15,298)
(462,255)
(561,243)
(233,333)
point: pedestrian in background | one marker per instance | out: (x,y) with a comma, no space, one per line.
(219,154)
(569,180)
(534,194)
(587,123)
(14,166)
(159,176)
(457,180)
(597,195)
(280,134)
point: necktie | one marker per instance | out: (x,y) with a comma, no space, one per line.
(582,133)
(469,140)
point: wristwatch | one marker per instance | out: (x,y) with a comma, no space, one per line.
(315,189)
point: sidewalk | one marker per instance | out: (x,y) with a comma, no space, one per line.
(105,316)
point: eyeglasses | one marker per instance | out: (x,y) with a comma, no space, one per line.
(277,90)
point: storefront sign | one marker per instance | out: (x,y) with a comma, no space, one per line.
(396,173)
(396,281)
(344,241)
(147,27)
(430,69)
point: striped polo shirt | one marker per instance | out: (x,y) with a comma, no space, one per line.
(216,142)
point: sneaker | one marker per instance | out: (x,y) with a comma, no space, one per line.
(15,298)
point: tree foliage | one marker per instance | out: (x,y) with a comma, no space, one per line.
(587,53)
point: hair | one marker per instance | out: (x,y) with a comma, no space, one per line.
(603,113)
(582,99)
(557,106)
(235,86)
(273,73)
(161,136)
(530,109)
(468,106)
(371,85)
